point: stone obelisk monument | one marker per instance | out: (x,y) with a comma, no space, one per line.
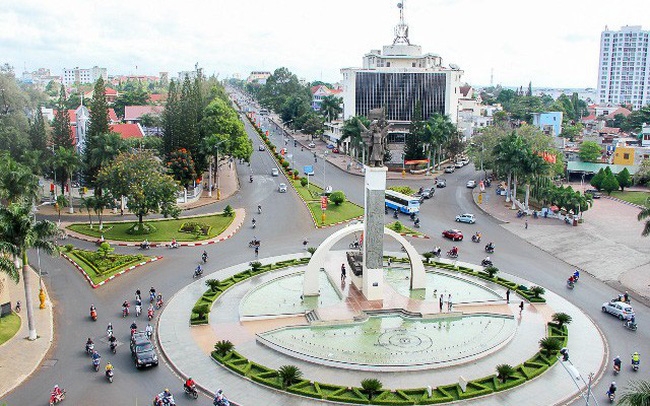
(374,194)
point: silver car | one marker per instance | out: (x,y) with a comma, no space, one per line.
(282,188)
(621,310)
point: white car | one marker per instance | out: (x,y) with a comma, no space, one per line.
(311,145)
(459,164)
(275,172)
(471,184)
(282,188)
(261,147)
(466,218)
(450,169)
(621,310)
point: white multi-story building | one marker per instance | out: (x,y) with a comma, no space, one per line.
(78,76)
(624,67)
(398,78)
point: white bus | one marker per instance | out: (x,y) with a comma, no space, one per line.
(399,201)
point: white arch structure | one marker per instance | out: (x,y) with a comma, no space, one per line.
(310,283)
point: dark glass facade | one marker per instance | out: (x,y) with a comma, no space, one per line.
(399,92)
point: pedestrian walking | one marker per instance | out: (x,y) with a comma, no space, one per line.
(343,273)
(449,303)
(441,303)
(389,261)
(521,307)
(508,296)
(526,224)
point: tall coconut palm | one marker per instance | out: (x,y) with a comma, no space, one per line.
(16,181)
(439,130)
(352,131)
(643,215)
(19,232)
(330,107)
(69,161)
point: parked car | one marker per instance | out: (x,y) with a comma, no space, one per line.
(282,188)
(144,353)
(336,150)
(261,147)
(275,172)
(466,218)
(441,183)
(453,234)
(450,169)
(471,184)
(465,161)
(311,145)
(621,310)
(331,146)
(428,193)
(459,164)
(594,193)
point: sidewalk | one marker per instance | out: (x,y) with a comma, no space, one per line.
(609,227)
(174,334)
(21,357)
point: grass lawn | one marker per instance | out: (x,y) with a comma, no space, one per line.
(404,229)
(313,193)
(632,197)
(99,271)
(166,229)
(334,213)
(9,326)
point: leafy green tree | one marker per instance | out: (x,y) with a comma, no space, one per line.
(105,249)
(98,111)
(14,125)
(59,204)
(312,123)
(437,132)
(131,95)
(20,232)
(624,179)
(330,107)
(337,197)
(609,183)
(590,151)
(17,183)
(637,393)
(279,87)
(572,131)
(38,133)
(68,161)
(352,131)
(617,122)
(181,165)
(142,179)
(597,180)
(61,130)
(88,203)
(414,145)
(636,119)
(213,284)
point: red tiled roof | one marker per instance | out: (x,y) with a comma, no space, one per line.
(590,117)
(127,130)
(73,116)
(620,110)
(135,112)
(154,98)
(609,130)
(111,91)
(464,90)
(112,115)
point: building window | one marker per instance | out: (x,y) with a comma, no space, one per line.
(626,156)
(396,138)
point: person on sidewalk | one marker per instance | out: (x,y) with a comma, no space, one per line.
(526,224)
(521,307)
(508,296)
(343,273)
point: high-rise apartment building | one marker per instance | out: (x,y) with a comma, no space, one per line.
(624,67)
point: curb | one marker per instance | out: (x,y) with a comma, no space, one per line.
(122,272)
(421,236)
(616,199)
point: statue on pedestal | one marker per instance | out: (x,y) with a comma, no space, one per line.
(375,137)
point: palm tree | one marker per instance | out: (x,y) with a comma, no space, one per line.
(352,130)
(223,347)
(371,386)
(504,371)
(549,345)
(561,319)
(289,374)
(330,107)
(88,203)
(439,130)
(636,394)
(16,181)
(19,232)
(645,214)
(69,161)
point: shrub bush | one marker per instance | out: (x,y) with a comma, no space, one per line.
(337,197)
(303,181)
(213,284)
(141,229)
(285,164)
(194,227)
(202,309)
(228,211)
(223,347)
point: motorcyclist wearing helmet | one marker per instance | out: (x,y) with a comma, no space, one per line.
(56,391)
(89,342)
(612,389)
(189,384)
(636,358)
(617,363)
(109,367)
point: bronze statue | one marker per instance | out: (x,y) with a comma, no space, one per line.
(375,137)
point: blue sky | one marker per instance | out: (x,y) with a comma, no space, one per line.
(552,43)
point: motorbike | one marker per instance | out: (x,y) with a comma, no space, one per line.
(144,246)
(90,348)
(250,179)
(221,402)
(197,272)
(109,375)
(96,362)
(489,250)
(452,254)
(254,243)
(174,245)
(436,252)
(161,401)
(254,224)
(191,391)
(113,347)
(570,284)
(354,245)
(476,238)
(150,314)
(125,311)
(635,366)
(629,325)
(486,263)
(204,257)
(611,396)
(93,314)
(159,303)
(138,310)
(259,209)
(416,224)
(54,399)
(520,214)
(395,214)
(617,369)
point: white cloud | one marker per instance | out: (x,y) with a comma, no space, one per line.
(554,43)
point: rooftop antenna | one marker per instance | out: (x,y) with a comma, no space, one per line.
(401,29)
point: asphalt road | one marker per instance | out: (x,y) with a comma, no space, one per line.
(281,227)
